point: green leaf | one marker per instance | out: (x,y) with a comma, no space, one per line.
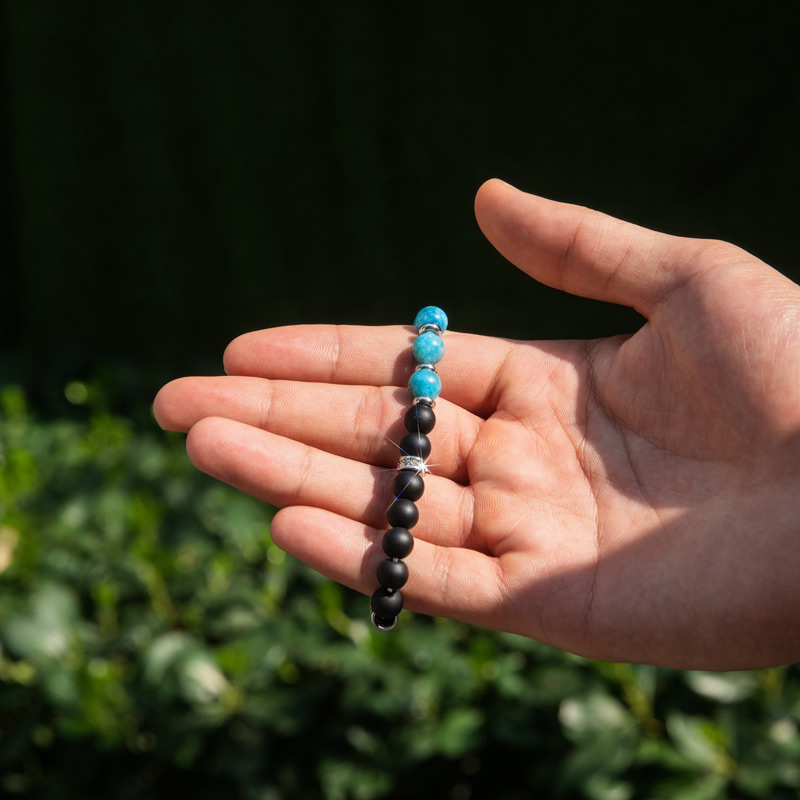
(44,630)
(724,687)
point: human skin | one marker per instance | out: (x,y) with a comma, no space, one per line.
(633,498)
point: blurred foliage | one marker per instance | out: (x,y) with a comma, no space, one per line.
(154,641)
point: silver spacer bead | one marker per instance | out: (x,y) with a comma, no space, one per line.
(413,462)
(429,326)
(382,627)
(431,367)
(425,401)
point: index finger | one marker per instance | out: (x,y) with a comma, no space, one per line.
(355,355)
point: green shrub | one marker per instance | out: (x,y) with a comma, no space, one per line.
(154,641)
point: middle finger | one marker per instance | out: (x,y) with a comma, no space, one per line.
(360,423)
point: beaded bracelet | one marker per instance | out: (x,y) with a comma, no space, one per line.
(424,387)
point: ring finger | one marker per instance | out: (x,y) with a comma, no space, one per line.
(284,473)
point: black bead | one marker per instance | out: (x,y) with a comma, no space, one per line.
(397,543)
(386,603)
(416,444)
(403,514)
(392,574)
(408,484)
(419,418)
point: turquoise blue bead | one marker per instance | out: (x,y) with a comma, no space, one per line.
(431,314)
(425,383)
(428,348)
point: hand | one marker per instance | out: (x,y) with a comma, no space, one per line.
(633,498)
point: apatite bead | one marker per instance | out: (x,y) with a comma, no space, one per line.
(425,383)
(431,315)
(428,348)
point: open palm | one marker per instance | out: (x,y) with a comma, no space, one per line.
(632,498)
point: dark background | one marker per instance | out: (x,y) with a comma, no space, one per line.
(178,173)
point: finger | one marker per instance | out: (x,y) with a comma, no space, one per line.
(352,355)
(287,473)
(443,581)
(356,422)
(579,250)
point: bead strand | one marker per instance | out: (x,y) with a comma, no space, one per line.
(424,386)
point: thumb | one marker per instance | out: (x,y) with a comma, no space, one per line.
(578,250)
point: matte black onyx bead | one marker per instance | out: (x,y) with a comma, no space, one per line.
(392,574)
(419,419)
(402,514)
(416,444)
(397,543)
(386,603)
(409,484)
